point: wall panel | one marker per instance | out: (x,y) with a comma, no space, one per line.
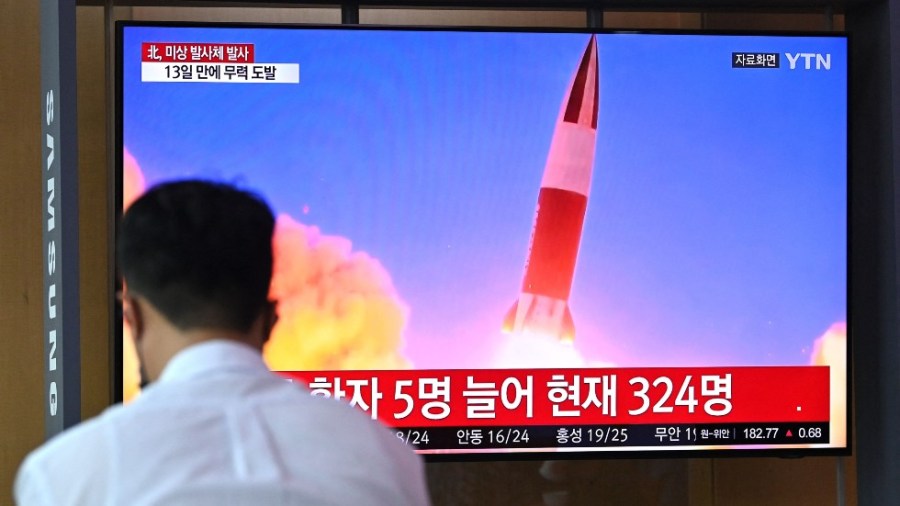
(21,283)
(93,204)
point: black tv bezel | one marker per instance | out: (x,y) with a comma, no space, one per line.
(117,335)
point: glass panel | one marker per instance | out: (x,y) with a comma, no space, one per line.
(652,20)
(765,21)
(473,17)
(312,15)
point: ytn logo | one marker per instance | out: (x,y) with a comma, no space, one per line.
(821,61)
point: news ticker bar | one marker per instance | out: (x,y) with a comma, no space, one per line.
(583,396)
(612,436)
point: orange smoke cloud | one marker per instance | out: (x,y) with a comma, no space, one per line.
(337,308)
(133,183)
(133,186)
(831,349)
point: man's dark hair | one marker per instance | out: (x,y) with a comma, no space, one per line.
(200,252)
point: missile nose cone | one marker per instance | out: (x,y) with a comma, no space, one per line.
(582,105)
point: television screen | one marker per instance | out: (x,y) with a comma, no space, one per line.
(520,242)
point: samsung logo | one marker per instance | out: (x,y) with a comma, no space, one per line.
(53,397)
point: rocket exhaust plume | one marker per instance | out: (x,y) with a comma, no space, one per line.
(831,349)
(543,305)
(337,308)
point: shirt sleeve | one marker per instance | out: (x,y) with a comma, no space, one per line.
(70,469)
(32,487)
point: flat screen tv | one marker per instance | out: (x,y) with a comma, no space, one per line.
(513,243)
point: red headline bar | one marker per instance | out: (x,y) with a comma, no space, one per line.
(487,397)
(187,52)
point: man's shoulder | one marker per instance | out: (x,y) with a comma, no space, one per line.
(333,409)
(67,466)
(335,420)
(89,434)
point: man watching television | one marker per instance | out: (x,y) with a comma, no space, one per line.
(215,426)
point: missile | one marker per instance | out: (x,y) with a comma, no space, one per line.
(543,304)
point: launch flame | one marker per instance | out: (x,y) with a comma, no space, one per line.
(530,349)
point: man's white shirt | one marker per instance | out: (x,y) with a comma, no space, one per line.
(219,429)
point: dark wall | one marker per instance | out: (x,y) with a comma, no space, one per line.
(875,140)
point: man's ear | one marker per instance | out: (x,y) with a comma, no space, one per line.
(131,313)
(134,316)
(270,318)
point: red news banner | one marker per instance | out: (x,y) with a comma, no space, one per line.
(182,52)
(551,397)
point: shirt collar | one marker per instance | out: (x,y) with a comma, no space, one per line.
(212,356)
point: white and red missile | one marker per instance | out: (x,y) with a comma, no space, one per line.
(543,305)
